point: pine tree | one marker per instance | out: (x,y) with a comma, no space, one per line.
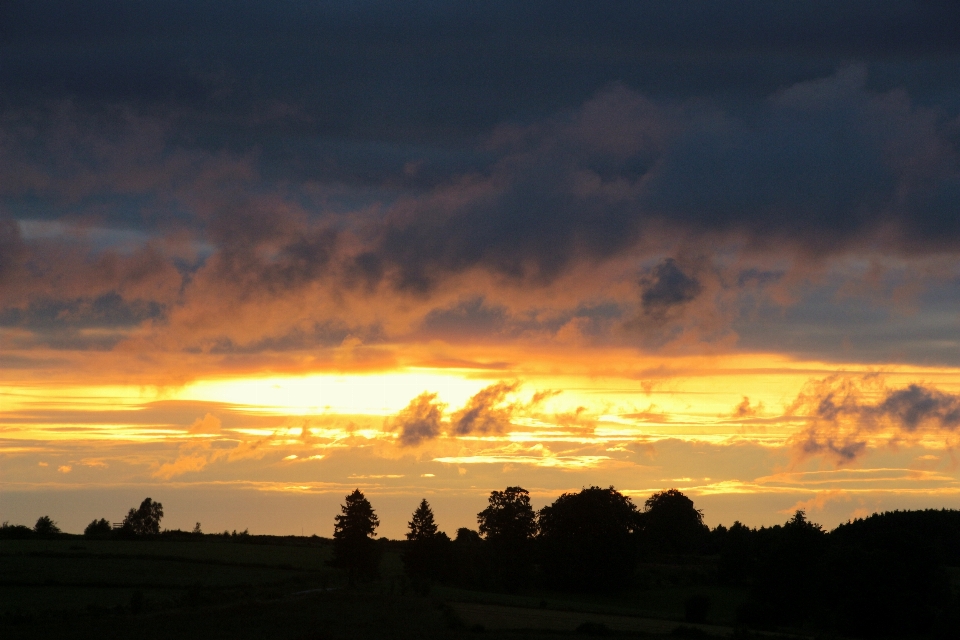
(427,553)
(353,533)
(422,526)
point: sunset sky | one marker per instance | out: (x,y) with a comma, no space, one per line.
(254,255)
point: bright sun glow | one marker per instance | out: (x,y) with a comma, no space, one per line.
(379,394)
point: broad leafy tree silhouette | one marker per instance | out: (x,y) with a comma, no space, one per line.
(588,540)
(145,520)
(469,566)
(427,552)
(353,533)
(738,553)
(509,525)
(671,524)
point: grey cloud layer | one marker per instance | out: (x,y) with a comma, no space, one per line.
(388,70)
(260,171)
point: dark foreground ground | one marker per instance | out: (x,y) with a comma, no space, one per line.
(215,587)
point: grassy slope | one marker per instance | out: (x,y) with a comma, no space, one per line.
(218,588)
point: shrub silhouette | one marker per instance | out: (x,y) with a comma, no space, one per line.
(15,531)
(46,527)
(98,528)
(588,540)
(353,533)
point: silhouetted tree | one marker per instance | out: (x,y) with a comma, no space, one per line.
(508,525)
(422,525)
(98,528)
(789,580)
(470,567)
(738,553)
(588,540)
(468,536)
(353,533)
(145,520)
(45,527)
(427,551)
(508,516)
(671,523)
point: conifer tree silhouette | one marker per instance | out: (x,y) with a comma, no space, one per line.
(427,551)
(353,533)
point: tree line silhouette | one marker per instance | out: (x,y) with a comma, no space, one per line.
(887,575)
(141,521)
(881,576)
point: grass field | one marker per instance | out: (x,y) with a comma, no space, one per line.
(79,575)
(215,587)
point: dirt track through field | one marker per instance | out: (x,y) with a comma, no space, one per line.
(502,617)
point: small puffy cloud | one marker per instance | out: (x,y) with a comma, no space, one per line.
(191,456)
(847,414)
(183,464)
(818,502)
(420,420)
(295,458)
(487,411)
(917,405)
(64,468)
(207,424)
(746,410)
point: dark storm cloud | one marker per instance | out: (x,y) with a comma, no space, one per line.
(667,287)
(820,167)
(389,65)
(369,144)
(383,94)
